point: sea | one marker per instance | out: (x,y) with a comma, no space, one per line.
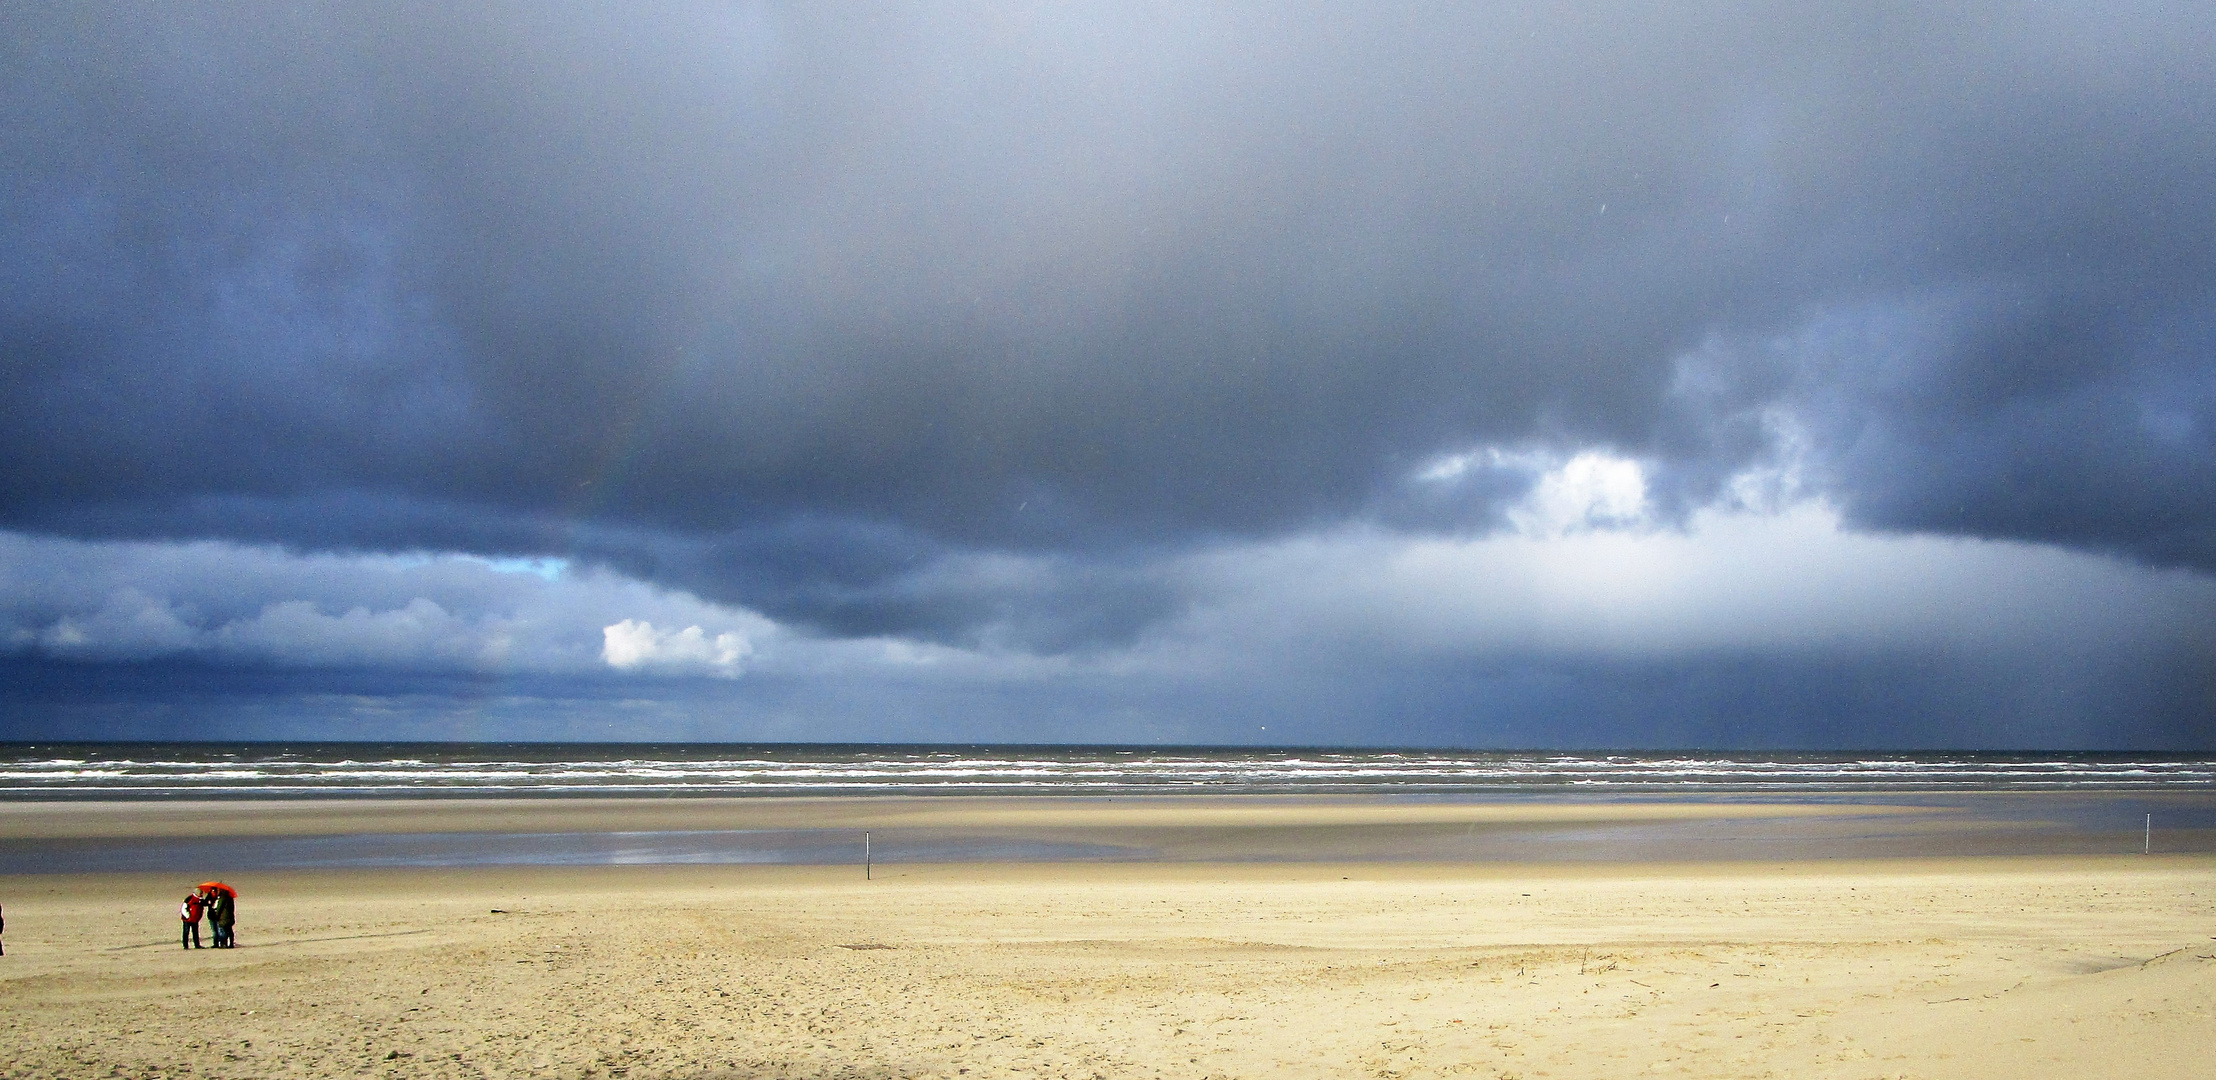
(47,771)
(2012,804)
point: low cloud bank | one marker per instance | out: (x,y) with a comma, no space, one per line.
(238,604)
(1590,616)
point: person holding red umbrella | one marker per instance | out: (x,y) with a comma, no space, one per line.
(222,912)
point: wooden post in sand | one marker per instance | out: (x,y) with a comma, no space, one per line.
(2146,843)
(865,856)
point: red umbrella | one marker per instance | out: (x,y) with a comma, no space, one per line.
(217,886)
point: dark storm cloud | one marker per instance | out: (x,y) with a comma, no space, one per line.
(781,302)
(2081,420)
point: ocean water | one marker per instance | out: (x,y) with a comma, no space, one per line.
(354,770)
(2022,804)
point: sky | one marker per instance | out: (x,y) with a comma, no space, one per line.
(1756,375)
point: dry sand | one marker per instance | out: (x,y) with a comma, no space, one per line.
(1992,967)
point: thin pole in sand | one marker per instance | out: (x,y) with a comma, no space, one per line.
(866,868)
(2146,843)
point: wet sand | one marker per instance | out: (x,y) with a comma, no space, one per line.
(243,836)
(1921,967)
(39,820)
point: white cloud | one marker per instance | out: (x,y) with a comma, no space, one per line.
(1592,490)
(633,644)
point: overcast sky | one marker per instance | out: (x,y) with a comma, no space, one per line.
(1758,375)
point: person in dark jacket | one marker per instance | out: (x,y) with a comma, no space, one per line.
(222,916)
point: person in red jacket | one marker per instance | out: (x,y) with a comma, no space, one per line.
(190,913)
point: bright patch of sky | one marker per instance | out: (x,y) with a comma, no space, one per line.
(546,567)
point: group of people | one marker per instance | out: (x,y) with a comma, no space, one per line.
(220,905)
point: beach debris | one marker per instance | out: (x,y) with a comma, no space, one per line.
(868,945)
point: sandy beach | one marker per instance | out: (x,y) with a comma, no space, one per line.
(1999,966)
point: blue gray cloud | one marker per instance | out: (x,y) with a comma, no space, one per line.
(93,602)
(1015,334)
